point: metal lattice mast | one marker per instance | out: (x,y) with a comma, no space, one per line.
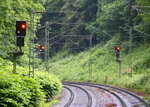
(130,49)
(90,59)
(47,45)
(31,47)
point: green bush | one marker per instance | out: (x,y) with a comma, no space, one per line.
(36,94)
(17,91)
(50,84)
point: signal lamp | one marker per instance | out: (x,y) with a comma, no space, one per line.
(42,48)
(117,48)
(23,26)
(20,28)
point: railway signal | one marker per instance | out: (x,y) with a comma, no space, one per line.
(20,32)
(42,48)
(20,28)
(117,50)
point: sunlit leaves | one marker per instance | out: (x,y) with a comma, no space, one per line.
(19,90)
(12,10)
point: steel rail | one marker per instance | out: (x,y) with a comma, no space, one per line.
(137,97)
(119,98)
(89,104)
(121,101)
(71,97)
(122,90)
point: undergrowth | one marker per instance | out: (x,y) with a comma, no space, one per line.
(98,65)
(17,90)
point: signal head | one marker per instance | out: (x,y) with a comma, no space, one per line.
(23,26)
(42,48)
(20,28)
(117,48)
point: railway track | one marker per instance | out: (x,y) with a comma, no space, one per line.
(71,97)
(71,102)
(116,92)
(90,98)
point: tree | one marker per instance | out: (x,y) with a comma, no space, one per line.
(12,10)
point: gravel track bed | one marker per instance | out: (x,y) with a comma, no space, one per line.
(131,101)
(64,98)
(100,97)
(80,97)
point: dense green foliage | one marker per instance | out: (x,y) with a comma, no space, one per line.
(17,90)
(51,86)
(100,19)
(121,22)
(144,13)
(11,11)
(70,21)
(108,22)
(99,63)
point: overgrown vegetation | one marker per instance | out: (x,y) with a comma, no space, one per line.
(51,86)
(11,11)
(98,65)
(73,23)
(17,90)
(110,23)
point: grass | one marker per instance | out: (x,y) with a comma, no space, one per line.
(98,65)
(48,104)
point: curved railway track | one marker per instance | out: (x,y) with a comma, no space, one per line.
(89,98)
(112,90)
(71,97)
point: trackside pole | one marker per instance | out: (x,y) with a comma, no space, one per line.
(119,69)
(15,56)
(31,47)
(14,64)
(117,51)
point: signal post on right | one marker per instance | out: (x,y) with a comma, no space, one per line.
(117,51)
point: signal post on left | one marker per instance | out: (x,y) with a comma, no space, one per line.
(20,35)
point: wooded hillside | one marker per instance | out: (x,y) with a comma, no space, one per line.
(74,21)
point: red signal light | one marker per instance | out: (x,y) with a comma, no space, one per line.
(117,48)
(42,48)
(23,26)
(117,51)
